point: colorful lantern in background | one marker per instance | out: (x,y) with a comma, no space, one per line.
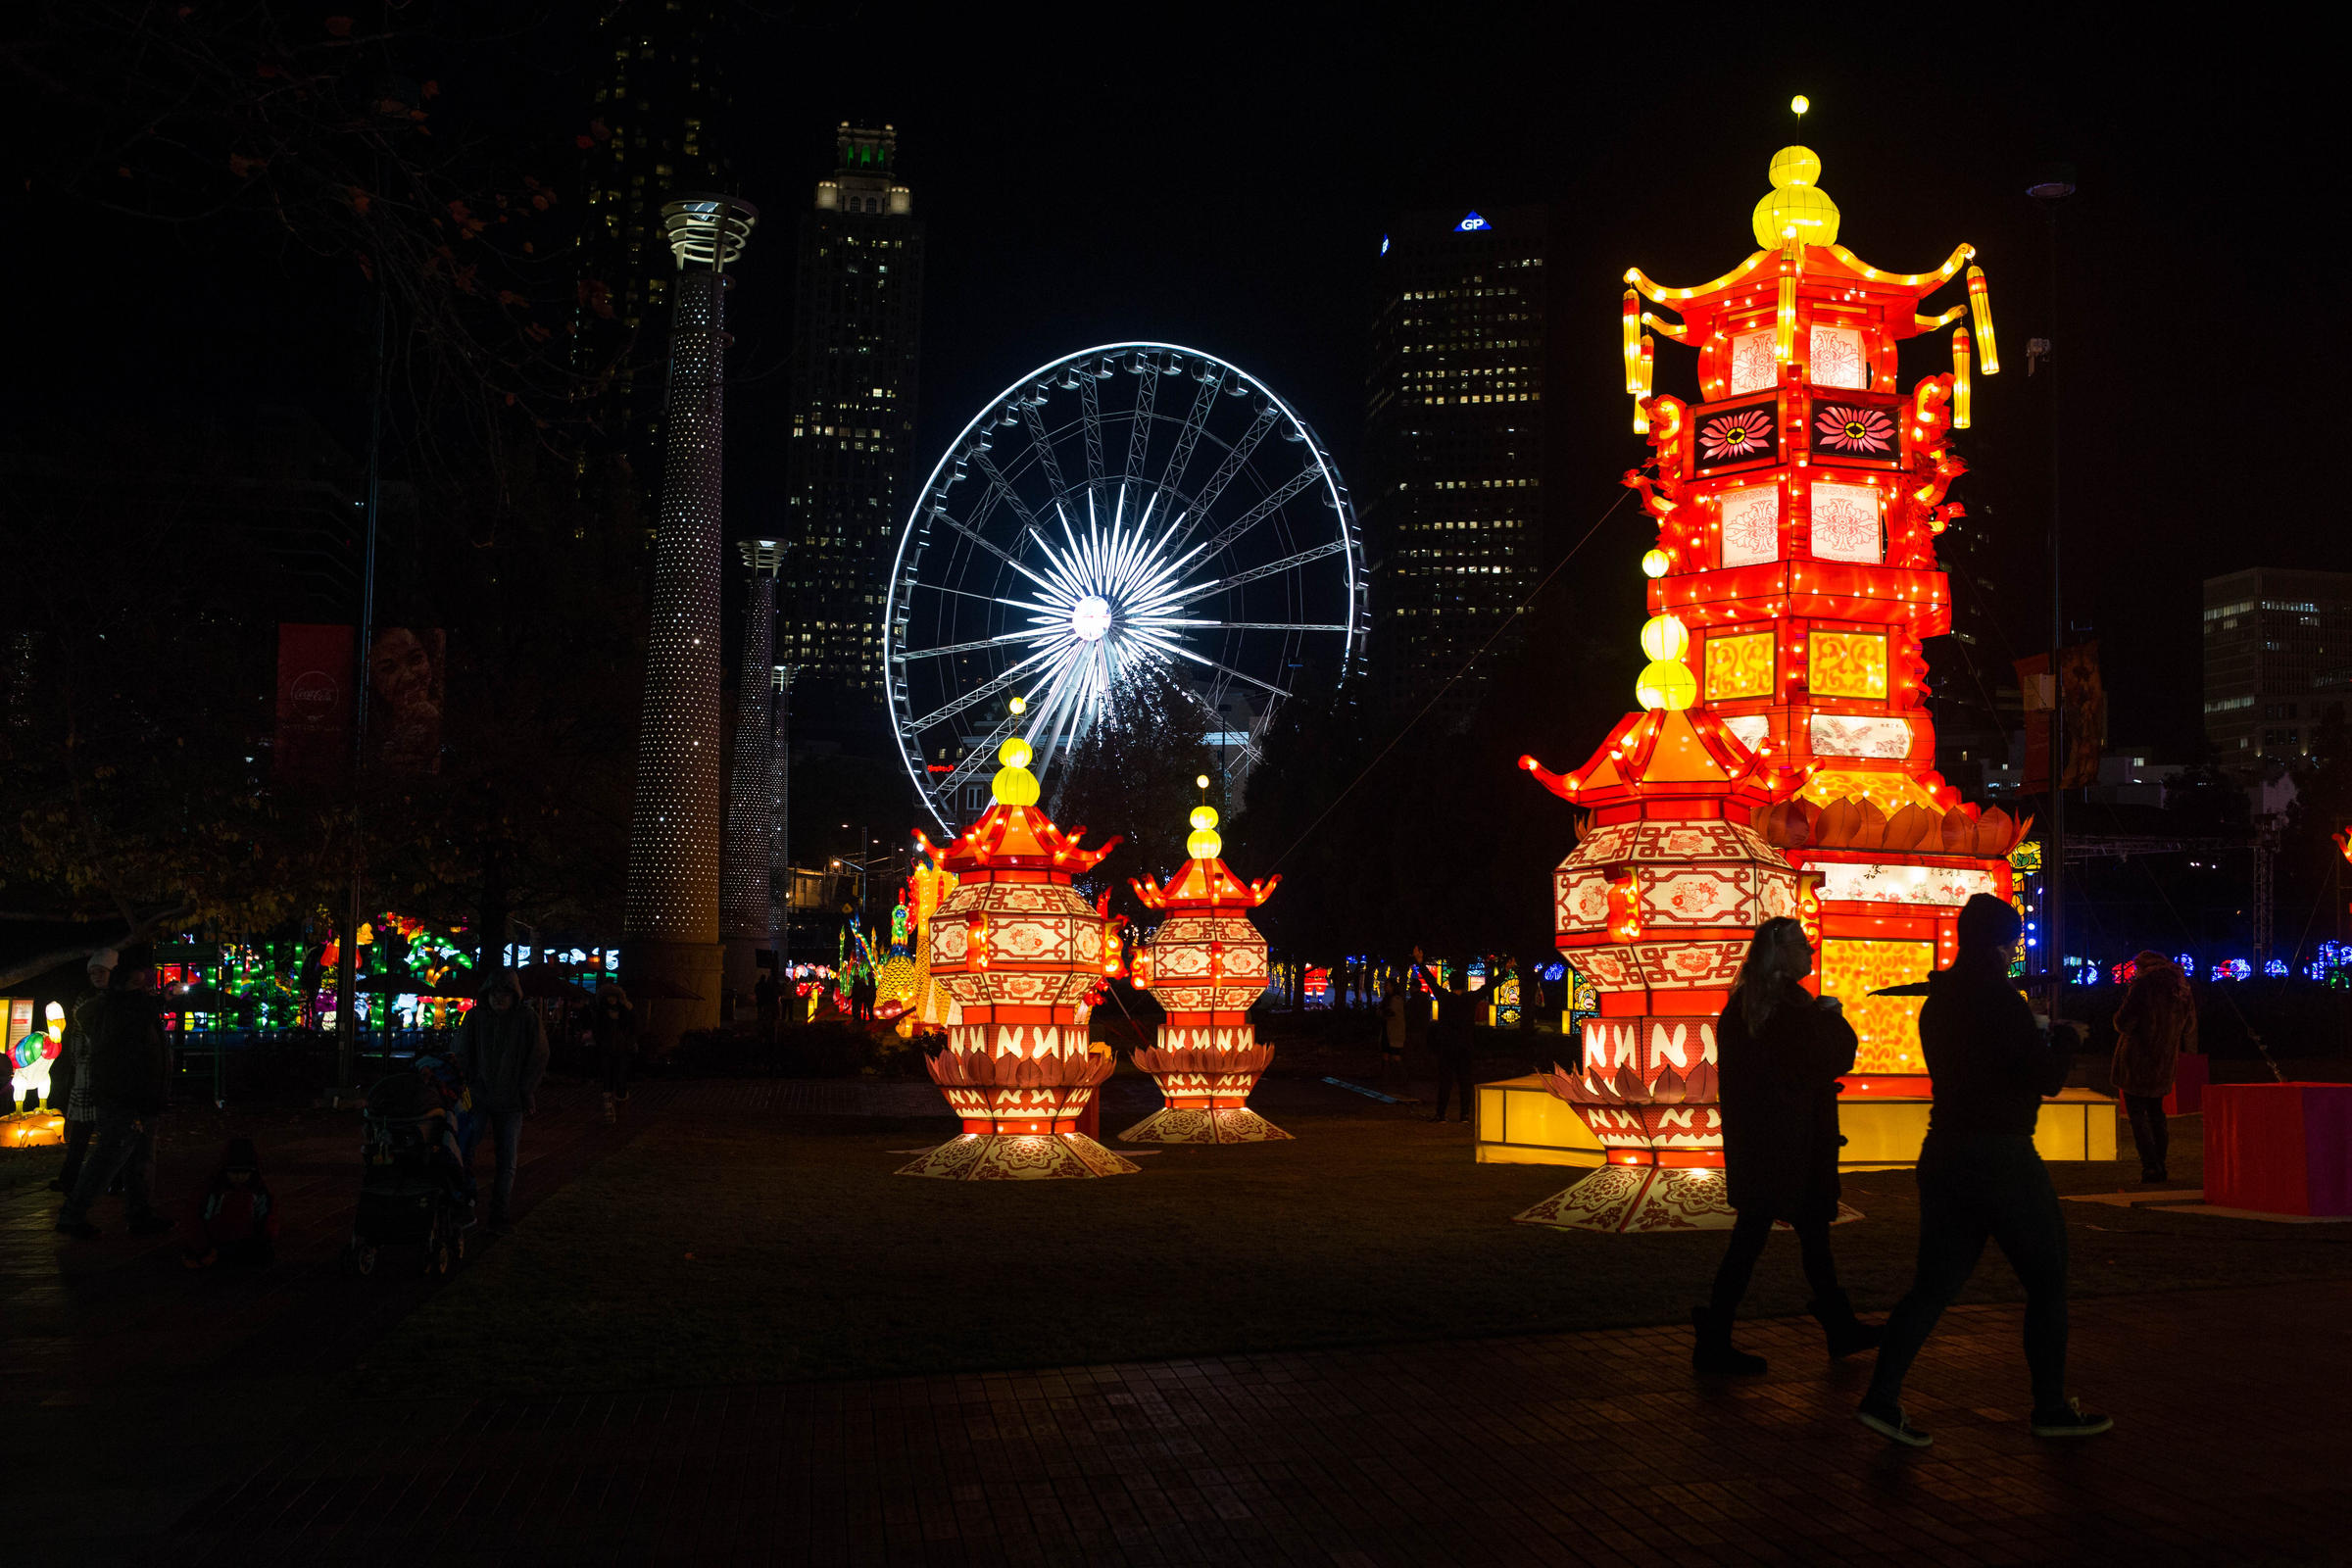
(1784,764)
(1205,965)
(31,1047)
(1021,952)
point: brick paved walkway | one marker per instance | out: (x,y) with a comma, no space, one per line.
(164,1417)
(1570,1448)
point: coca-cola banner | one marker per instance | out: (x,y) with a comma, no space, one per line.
(315,668)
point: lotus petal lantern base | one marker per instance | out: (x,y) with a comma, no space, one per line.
(1019,1157)
(1644,1199)
(1205,1075)
(1204,1125)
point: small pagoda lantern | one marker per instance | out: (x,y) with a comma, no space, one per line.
(1205,965)
(1021,952)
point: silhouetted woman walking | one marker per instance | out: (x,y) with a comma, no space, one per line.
(1779,1054)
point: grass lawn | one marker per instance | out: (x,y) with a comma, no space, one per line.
(723,1247)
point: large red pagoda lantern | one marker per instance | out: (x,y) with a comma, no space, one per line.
(1783,762)
(1205,965)
(1020,951)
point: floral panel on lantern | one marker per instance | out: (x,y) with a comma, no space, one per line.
(1583,901)
(1846,735)
(1849,664)
(1696,896)
(1836,357)
(1751,526)
(1745,435)
(1845,522)
(1858,432)
(1753,367)
(1740,667)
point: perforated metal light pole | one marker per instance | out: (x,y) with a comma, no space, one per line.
(746,894)
(670,934)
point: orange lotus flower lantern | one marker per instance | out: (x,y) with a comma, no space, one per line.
(1205,965)
(1021,951)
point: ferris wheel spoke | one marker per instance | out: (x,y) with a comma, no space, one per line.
(1276,567)
(1090,406)
(1264,509)
(996,480)
(1139,431)
(905,653)
(973,760)
(1213,382)
(976,537)
(1010,676)
(1037,438)
(1258,625)
(1235,459)
(1238,674)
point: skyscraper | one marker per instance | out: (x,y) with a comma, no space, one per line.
(659,94)
(2277,657)
(1454,443)
(858,305)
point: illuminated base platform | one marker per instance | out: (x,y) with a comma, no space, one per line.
(31,1129)
(1200,1125)
(1019,1157)
(1522,1122)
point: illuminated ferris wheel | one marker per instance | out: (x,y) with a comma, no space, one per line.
(1130,509)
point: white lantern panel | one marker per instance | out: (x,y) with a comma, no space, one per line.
(1751,526)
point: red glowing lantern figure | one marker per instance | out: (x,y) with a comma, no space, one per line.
(1784,764)
(1205,965)
(1019,951)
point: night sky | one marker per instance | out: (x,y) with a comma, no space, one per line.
(1221,179)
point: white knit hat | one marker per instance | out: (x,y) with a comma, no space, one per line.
(105,958)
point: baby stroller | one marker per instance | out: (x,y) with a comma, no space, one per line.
(415,1190)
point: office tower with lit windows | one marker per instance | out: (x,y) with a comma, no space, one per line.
(2277,659)
(652,128)
(858,307)
(1454,444)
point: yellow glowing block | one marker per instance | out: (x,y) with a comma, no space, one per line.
(1887,1026)
(1849,664)
(1888,792)
(1740,667)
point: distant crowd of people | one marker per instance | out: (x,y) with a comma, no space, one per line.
(115,1065)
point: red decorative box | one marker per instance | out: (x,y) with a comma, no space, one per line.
(2281,1148)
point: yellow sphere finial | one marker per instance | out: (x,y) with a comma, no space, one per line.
(1014,784)
(1800,104)
(1018,706)
(1797,206)
(1205,845)
(1656,563)
(1201,782)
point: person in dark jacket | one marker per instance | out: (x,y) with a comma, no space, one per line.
(1779,1054)
(2156,1022)
(1453,1037)
(1979,1175)
(502,1050)
(72,1069)
(234,1217)
(130,1083)
(612,1025)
